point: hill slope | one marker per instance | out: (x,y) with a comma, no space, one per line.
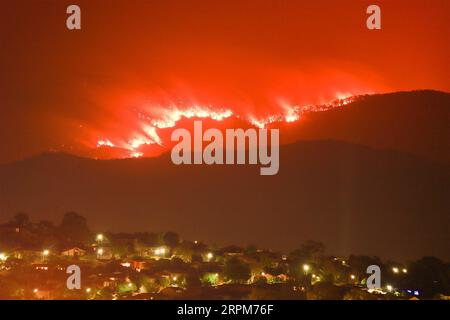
(416,122)
(353,198)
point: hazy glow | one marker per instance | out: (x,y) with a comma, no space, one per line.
(152,120)
(107,143)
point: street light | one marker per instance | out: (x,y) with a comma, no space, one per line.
(45,253)
(209,255)
(306,267)
(99,237)
(395,269)
(404,270)
(352,276)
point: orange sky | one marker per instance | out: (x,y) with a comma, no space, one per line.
(65,89)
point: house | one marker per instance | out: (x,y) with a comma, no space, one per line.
(138,264)
(74,252)
(231,251)
(157,252)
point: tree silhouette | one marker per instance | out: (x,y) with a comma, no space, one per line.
(430,276)
(74,228)
(21,220)
(171,239)
(237,271)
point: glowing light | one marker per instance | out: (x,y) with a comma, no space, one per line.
(100,251)
(352,276)
(35,290)
(262,123)
(395,270)
(136,154)
(105,143)
(389,288)
(291,117)
(291,113)
(161,117)
(404,270)
(343,95)
(137,142)
(209,255)
(88,290)
(151,132)
(306,267)
(174,278)
(99,237)
(45,252)
(3,257)
(169,117)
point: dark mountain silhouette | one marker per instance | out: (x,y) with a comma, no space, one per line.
(353,198)
(416,122)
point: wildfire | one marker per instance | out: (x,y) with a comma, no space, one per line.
(159,118)
(169,117)
(106,143)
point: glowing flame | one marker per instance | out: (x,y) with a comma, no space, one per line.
(291,116)
(107,143)
(151,132)
(136,154)
(167,117)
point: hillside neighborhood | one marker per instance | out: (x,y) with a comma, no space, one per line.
(148,266)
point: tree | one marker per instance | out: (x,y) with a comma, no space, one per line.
(359,264)
(309,251)
(21,220)
(171,239)
(236,271)
(45,228)
(74,228)
(430,276)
